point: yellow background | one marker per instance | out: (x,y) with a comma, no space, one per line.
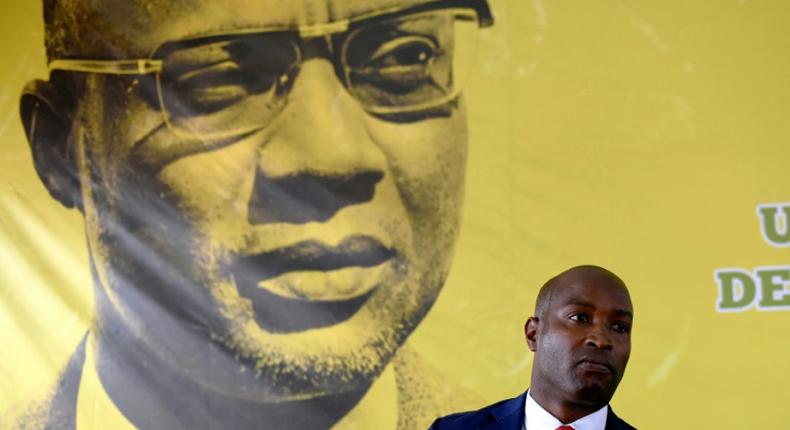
(638,135)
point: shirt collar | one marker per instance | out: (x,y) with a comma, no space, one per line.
(537,418)
(95,409)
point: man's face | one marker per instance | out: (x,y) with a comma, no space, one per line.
(306,250)
(583,342)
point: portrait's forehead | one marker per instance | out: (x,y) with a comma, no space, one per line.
(103,28)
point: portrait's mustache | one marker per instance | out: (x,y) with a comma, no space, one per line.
(355,251)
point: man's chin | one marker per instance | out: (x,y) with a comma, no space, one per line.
(595,392)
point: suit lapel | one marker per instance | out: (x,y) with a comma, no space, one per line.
(508,415)
(613,422)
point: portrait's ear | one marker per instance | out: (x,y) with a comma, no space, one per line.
(531,332)
(46,116)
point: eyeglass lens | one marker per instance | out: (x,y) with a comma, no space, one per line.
(238,83)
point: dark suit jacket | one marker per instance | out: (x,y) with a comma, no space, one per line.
(505,415)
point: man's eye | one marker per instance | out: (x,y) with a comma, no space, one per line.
(621,327)
(580,317)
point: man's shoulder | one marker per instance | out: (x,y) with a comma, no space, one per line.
(509,414)
(613,422)
(53,407)
(504,411)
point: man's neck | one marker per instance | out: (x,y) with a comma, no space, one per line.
(566,411)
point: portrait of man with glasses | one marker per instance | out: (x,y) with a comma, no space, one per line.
(271,194)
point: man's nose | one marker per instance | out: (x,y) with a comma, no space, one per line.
(318,156)
(598,337)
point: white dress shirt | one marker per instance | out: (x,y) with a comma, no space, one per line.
(537,418)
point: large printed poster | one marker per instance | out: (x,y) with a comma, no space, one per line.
(338,214)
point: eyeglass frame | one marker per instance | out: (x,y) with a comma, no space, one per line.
(151,65)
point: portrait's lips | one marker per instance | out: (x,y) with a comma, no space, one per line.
(310,284)
(355,251)
(595,366)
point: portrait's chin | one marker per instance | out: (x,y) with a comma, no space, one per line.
(300,348)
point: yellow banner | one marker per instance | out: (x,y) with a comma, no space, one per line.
(349,206)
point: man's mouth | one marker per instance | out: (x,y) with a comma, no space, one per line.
(311,284)
(595,366)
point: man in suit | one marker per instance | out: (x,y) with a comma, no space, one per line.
(271,192)
(581,337)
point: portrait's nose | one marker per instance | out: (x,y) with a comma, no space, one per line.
(598,337)
(318,156)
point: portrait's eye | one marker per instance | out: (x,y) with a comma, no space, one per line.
(403,63)
(408,51)
(199,78)
(582,318)
(398,65)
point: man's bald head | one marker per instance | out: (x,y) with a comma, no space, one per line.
(590,272)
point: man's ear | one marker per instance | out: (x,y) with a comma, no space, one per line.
(46,113)
(531,333)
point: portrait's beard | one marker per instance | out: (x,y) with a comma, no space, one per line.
(342,357)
